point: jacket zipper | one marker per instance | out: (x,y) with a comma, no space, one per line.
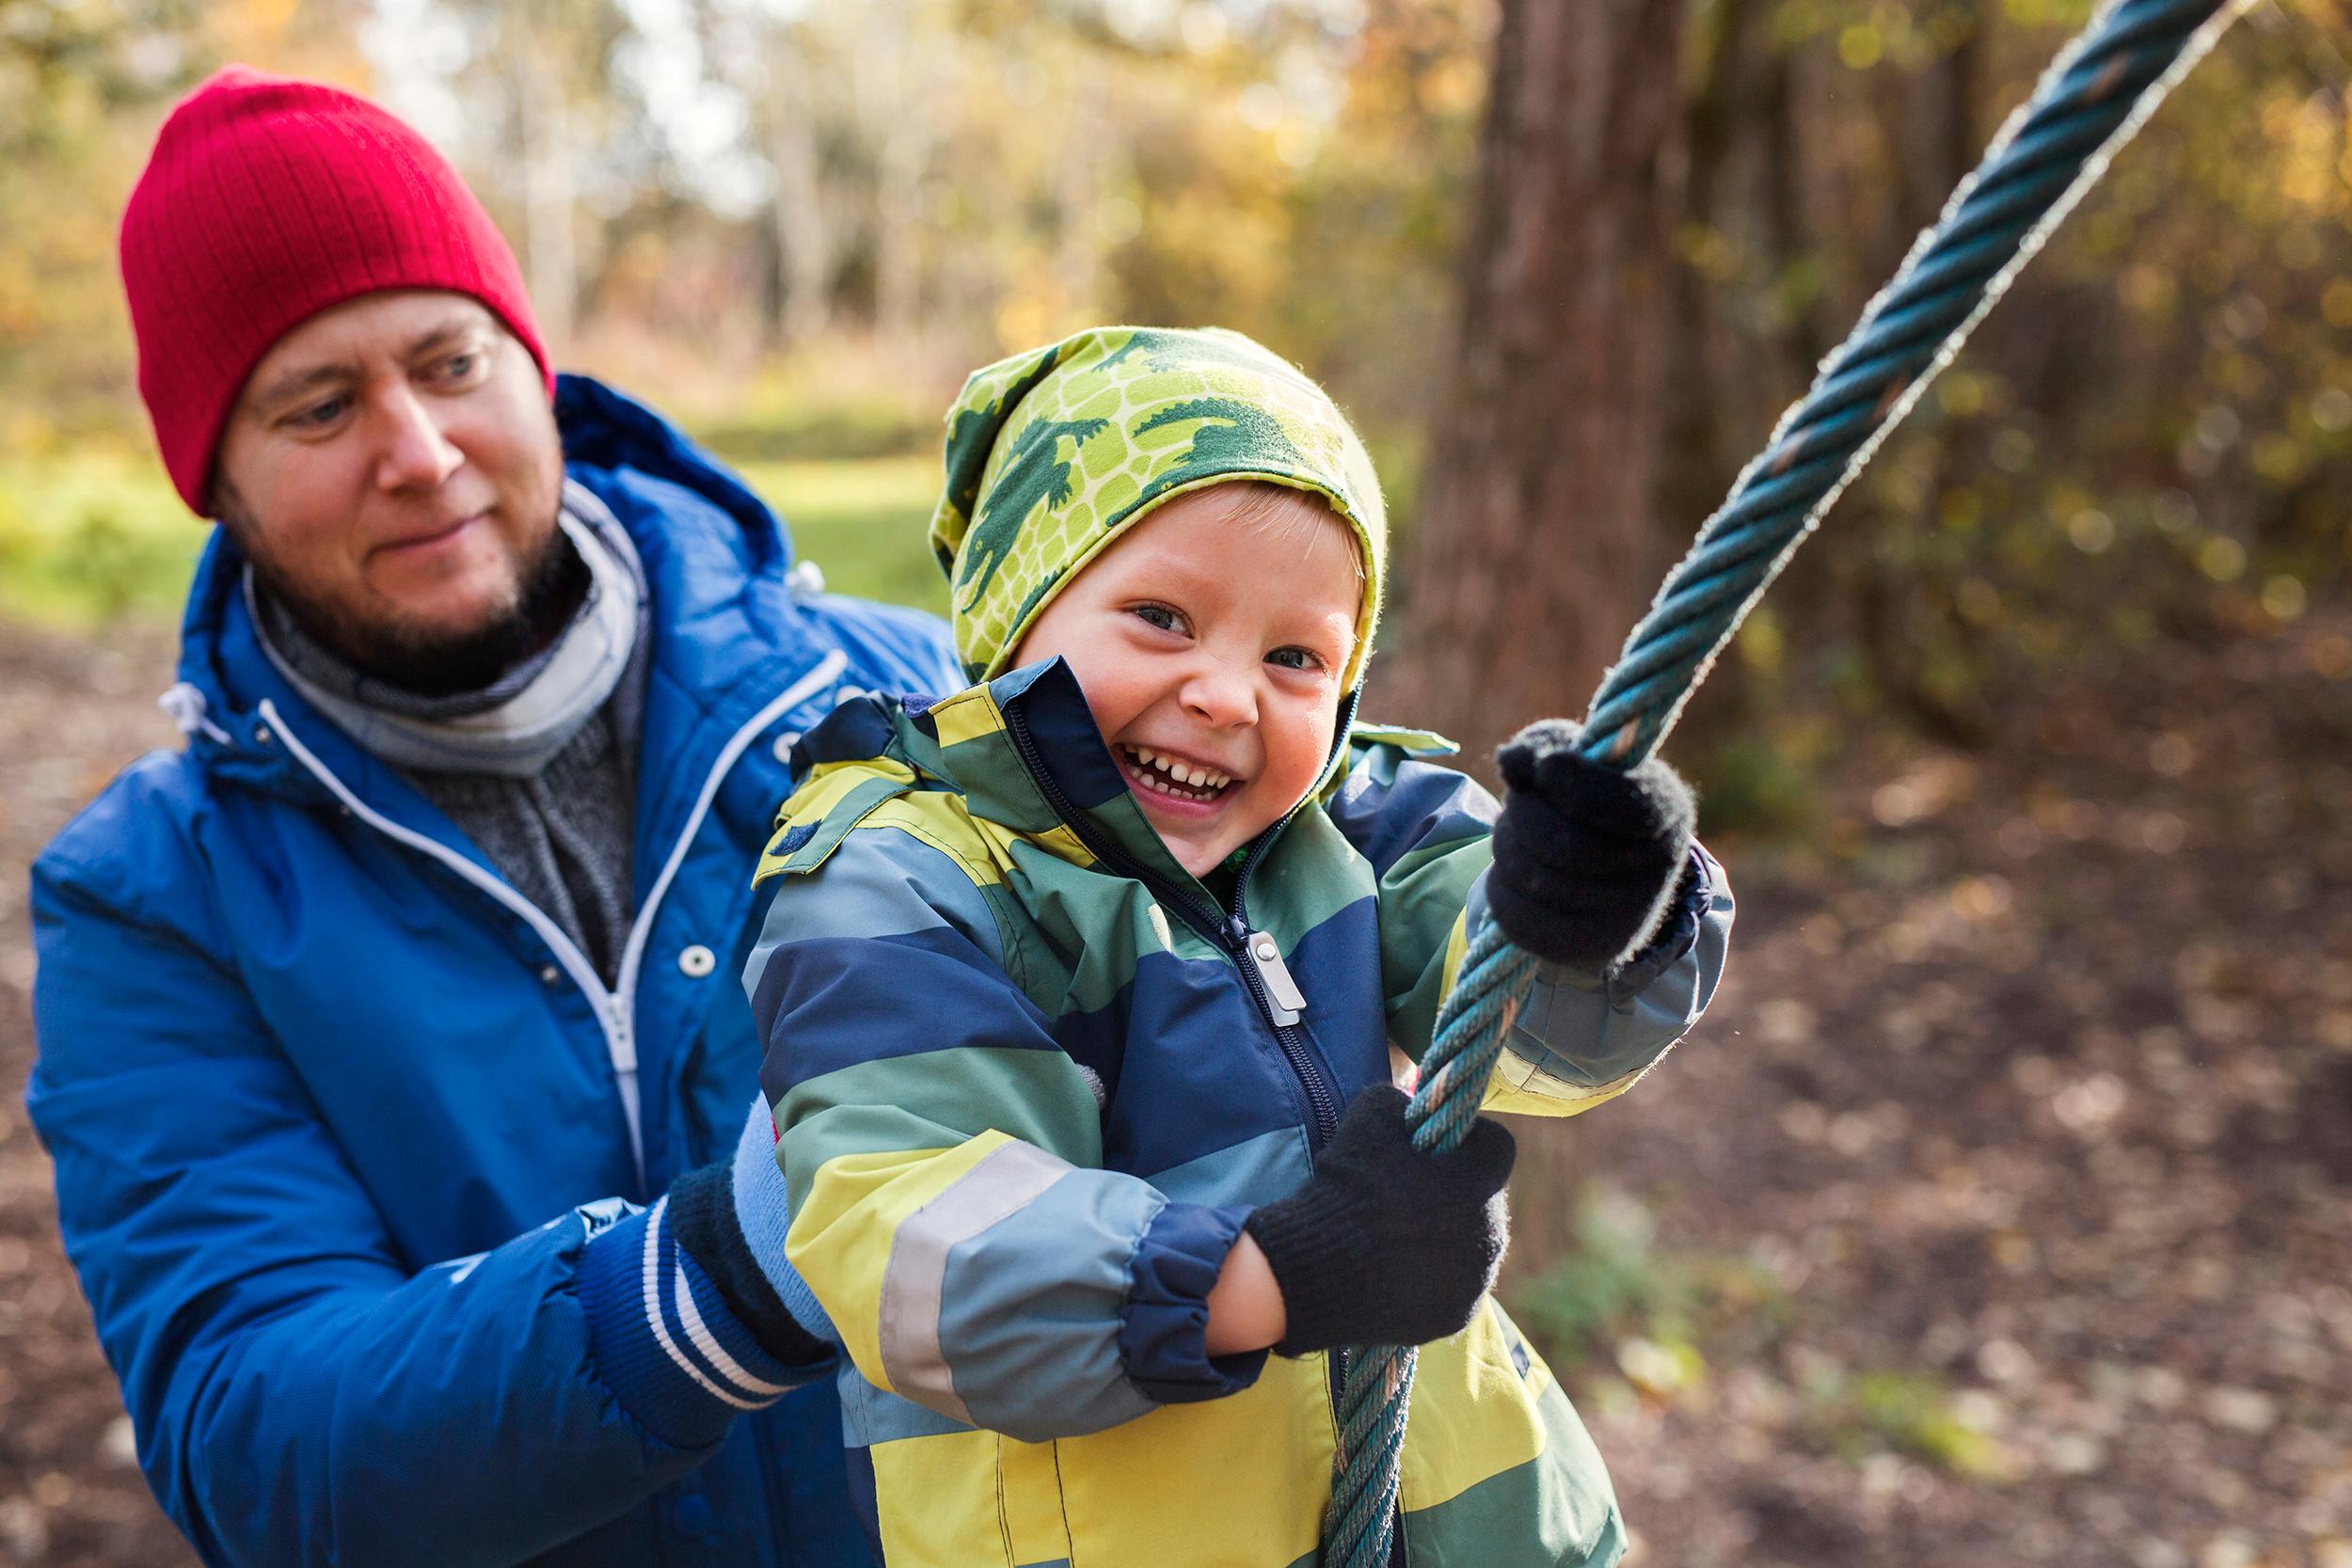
(1262,968)
(1254,953)
(615,1009)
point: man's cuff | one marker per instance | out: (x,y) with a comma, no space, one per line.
(677,1360)
(1162,1326)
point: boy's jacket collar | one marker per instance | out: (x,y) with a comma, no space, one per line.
(968,741)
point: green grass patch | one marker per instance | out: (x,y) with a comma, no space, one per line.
(1618,1298)
(1910,1413)
(90,538)
(828,423)
(864,522)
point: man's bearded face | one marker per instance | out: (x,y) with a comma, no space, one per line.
(393,470)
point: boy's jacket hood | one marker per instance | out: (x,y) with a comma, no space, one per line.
(1054,453)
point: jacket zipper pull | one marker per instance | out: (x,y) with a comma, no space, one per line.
(1282,993)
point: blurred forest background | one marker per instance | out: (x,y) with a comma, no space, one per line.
(1999,1209)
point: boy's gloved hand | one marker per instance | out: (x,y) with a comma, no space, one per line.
(1585,857)
(1386,1246)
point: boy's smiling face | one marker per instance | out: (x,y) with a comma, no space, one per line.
(1210,640)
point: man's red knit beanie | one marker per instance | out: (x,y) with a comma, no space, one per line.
(267,200)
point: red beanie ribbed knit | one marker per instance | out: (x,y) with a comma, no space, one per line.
(267,200)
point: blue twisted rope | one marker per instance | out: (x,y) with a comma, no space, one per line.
(2090,101)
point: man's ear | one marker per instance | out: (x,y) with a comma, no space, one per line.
(227,508)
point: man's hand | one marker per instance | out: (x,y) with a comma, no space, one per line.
(1385,1244)
(1585,857)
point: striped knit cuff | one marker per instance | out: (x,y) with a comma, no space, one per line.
(675,1357)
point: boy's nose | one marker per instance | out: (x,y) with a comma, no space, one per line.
(1219,695)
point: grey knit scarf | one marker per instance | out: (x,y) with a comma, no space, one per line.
(515,725)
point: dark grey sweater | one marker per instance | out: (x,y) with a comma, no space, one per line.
(564,837)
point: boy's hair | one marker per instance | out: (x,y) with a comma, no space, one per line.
(1282,510)
(1054,453)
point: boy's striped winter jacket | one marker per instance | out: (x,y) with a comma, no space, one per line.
(1029,1077)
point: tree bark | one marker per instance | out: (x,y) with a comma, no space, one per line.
(1538,544)
(543,125)
(803,240)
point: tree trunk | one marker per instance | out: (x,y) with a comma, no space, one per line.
(803,241)
(1538,544)
(1696,412)
(909,133)
(551,255)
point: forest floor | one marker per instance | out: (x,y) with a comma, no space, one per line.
(1996,1214)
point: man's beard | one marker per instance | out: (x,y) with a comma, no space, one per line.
(552,583)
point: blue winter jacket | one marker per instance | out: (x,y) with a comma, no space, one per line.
(340,1120)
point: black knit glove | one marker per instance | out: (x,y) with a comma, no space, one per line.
(1585,857)
(702,1216)
(1386,1246)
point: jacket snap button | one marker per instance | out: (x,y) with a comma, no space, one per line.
(784,743)
(549,974)
(691,1514)
(696,961)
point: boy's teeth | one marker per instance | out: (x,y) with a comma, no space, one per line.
(1179,772)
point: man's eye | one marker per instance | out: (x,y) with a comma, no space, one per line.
(460,367)
(1161,616)
(1295,659)
(318,414)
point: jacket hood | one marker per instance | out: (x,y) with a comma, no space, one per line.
(619,449)
(1054,453)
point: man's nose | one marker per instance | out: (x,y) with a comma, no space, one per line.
(1222,693)
(416,453)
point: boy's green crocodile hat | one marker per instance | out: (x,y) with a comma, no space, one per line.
(1053,453)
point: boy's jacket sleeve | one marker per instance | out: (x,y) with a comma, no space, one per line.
(1579,1040)
(937,1144)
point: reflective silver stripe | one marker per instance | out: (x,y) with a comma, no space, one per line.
(1007,1181)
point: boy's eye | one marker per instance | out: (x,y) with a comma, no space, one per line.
(1161,616)
(1295,659)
